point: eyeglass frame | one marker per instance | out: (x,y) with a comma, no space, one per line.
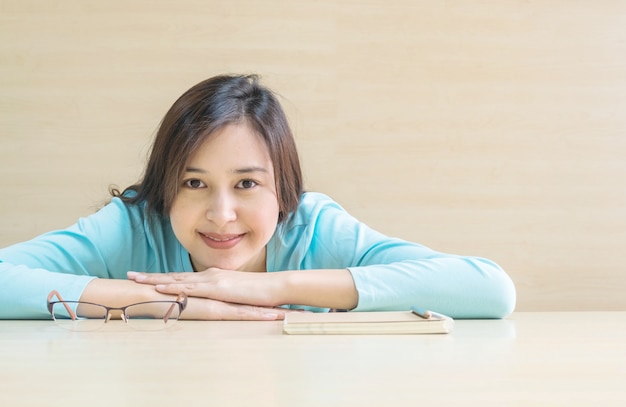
(181,301)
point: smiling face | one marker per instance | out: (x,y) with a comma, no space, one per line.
(226,208)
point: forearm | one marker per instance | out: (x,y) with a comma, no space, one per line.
(322,288)
(119,293)
(461,287)
(319,288)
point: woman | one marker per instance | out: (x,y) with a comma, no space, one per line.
(220,215)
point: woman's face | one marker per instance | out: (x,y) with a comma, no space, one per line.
(226,209)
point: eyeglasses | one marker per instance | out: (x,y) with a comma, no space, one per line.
(87,316)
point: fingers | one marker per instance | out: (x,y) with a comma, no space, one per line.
(177,283)
(240,312)
(192,289)
(161,278)
(245,312)
(204,309)
(187,288)
(233,287)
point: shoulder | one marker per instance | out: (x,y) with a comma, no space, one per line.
(320,234)
(314,206)
(115,214)
(121,222)
(318,218)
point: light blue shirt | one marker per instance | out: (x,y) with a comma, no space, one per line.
(389,273)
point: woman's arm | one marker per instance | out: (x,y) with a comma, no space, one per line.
(103,245)
(119,293)
(334,261)
(390,273)
(316,288)
(88,261)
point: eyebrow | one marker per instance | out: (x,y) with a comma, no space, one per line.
(244,170)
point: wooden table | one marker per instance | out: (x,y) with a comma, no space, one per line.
(528,359)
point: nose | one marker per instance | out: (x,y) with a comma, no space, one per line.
(222,209)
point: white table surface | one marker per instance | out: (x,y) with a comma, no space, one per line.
(528,359)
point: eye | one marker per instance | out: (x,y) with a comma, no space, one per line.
(194,184)
(246,184)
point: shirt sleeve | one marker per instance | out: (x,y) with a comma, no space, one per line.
(106,244)
(393,274)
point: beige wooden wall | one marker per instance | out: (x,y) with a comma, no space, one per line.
(493,128)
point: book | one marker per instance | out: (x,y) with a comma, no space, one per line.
(381,322)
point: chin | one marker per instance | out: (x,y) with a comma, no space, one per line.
(233,262)
(226,265)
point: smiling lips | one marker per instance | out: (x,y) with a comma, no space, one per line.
(221,242)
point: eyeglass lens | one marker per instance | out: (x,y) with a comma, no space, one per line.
(146,316)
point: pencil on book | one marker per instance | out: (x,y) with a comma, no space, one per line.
(426,314)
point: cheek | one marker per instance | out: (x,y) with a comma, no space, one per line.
(180,218)
(269,218)
(263,216)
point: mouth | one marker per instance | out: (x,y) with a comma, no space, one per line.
(221,241)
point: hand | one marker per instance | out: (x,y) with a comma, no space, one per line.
(118,293)
(206,309)
(227,286)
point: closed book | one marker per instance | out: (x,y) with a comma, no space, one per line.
(384,322)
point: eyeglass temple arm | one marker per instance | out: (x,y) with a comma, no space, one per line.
(55,293)
(181,301)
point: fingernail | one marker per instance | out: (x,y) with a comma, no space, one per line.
(137,276)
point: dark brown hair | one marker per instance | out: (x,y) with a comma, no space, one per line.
(198,113)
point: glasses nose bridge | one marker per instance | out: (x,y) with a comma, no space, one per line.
(110,314)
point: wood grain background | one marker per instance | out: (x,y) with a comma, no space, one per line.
(492,128)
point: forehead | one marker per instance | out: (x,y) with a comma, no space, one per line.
(232,145)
